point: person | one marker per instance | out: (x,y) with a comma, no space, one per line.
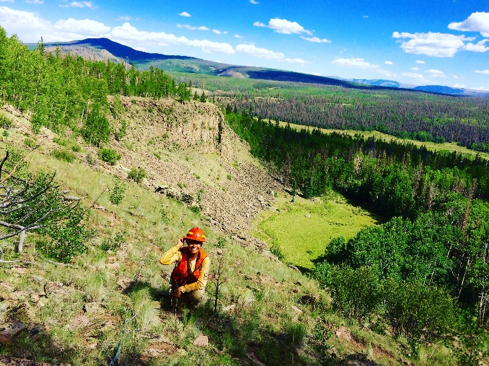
(191,272)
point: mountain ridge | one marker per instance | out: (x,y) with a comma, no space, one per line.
(188,64)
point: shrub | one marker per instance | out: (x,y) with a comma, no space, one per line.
(5,122)
(164,216)
(64,155)
(30,143)
(229,177)
(115,242)
(137,174)
(296,332)
(68,236)
(119,134)
(415,309)
(109,156)
(117,193)
(76,148)
(355,292)
(96,129)
(221,242)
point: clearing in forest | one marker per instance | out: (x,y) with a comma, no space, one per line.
(300,231)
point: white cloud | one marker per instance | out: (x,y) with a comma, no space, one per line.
(238,36)
(358,63)
(84,27)
(202,28)
(28,26)
(476,22)
(316,39)
(216,31)
(414,69)
(254,2)
(484,72)
(38,2)
(413,75)
(459,86)
(185,14)
(432,44)
(365,17)
(481,88)
(78,4)
(388,63)
(267,54)
(6,1)
(436,73)
(420,62)
(478,47)
(122,18)
(129,35)
(284,26)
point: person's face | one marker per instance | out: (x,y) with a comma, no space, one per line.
(194,246)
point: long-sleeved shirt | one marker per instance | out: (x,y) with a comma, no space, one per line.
(173,255)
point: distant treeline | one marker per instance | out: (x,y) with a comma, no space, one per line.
(69,91)
(421,116)
(437,237)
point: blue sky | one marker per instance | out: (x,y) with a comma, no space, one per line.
(444,42)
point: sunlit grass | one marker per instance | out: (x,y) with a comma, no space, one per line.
(302,229)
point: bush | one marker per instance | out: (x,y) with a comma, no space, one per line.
(109,156)
(68,236)
(114,243)
(117,193)
(137,174)
(119,135)
(355,292)
(415,309)
(296,333)
(96,129)
(64,155)
(30,143)
(5,122)
(164,216)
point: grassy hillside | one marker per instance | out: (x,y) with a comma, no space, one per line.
(268,313)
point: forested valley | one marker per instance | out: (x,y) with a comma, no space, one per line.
(422,275)
(426,269)
(405,114)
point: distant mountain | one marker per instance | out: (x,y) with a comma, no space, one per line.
(124,52)
(378,82)
(440,89)
(106,49)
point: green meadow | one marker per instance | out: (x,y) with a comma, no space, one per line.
(299,231)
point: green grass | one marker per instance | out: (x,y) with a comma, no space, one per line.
(302,229)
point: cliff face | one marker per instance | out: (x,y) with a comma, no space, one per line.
(191,154)
(169,124)
(188,153)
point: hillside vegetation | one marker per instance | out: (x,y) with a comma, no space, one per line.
(139,160)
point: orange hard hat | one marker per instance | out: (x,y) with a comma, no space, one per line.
(196,234)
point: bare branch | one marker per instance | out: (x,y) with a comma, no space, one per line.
(3,162)
(17,165)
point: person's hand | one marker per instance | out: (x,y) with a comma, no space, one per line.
(177,292)
(180,241)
